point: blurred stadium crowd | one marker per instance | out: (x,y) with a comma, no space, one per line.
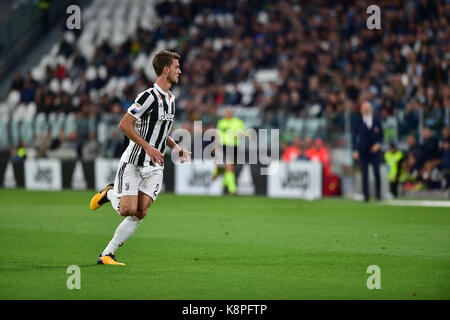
(299,66)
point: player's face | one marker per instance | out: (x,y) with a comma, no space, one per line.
(174,72)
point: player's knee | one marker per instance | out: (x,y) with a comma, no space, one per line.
(127,211)
(141,213)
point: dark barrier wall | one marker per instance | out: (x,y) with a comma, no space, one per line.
(68,167)
(19,173)
(301,179)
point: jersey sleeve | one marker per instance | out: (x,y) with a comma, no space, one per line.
(143,103)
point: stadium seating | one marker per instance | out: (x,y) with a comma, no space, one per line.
(329,58)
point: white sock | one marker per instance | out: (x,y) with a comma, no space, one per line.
(115,200)
(124,231)
(109,194)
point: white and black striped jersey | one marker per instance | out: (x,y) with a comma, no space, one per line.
(154,111)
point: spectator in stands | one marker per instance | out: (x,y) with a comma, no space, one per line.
(302,154)
(48,103)
(65,48)
(434,116)
(64,146)
(114,147)
(17,82)
(90,149)
(410,165)
(444,146)
(42,144)
(79,63)
(410,169)
(307,143)
(411,118)
(27,92)
(292,152)
(60,72)
(65,104)
(318,152)
(429,156)
(445,138)
(321,58)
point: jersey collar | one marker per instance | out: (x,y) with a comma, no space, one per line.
(166,95)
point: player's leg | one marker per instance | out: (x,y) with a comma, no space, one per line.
(149,188)
(149,183)
(123,195)
(123,232)
(101,197)
(144,202)
(229,178)
(124,200)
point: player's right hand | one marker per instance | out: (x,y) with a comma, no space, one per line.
(155,155)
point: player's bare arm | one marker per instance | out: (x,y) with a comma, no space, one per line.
(126,125)
(183,155)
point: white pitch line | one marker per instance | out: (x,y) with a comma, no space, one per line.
(418,203)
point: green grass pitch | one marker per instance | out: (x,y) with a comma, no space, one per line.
(223,248)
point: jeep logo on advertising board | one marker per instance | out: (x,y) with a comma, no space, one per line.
(296,179)
(43,174)
(196,178)
(200,178)
(111,173)
(105,171)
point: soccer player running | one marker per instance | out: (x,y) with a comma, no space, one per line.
(230,128)
(138,181)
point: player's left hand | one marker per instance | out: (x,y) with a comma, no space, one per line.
(183,155)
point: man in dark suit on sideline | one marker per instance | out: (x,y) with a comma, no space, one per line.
(367,137)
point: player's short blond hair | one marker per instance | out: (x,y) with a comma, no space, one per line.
(163,59)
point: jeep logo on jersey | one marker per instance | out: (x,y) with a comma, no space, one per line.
(166,116)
